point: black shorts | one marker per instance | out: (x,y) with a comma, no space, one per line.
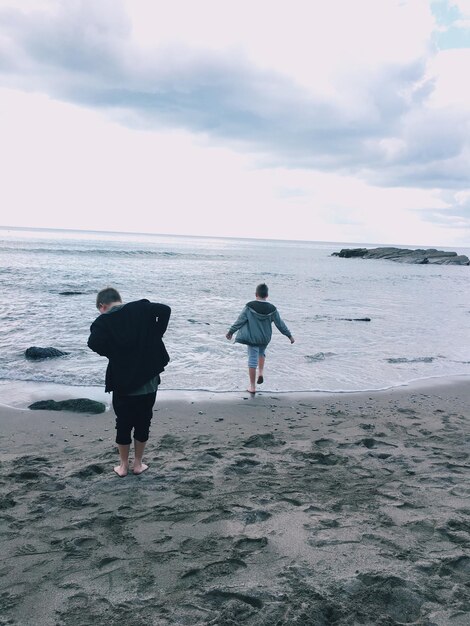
(133,412)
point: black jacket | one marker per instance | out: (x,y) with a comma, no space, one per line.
(131,338)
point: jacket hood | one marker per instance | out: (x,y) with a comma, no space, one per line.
(260,316)
(261,309)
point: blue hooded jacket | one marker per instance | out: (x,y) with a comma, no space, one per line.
(254,324)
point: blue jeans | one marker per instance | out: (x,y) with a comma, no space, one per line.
(254,353)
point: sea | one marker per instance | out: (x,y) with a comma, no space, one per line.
(419,326)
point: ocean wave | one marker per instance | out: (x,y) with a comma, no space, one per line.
(48,378)
(97,251)
(417,383)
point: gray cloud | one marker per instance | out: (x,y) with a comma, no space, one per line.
(448,219)
(456,217)
(84,54)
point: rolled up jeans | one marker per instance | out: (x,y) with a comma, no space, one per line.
(254,353)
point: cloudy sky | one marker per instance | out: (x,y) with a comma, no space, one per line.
(325,120)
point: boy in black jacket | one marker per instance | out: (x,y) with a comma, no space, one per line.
(130,335)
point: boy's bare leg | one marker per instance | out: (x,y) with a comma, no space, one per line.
(252,375)
(122,469)
(139,447)
(261,369)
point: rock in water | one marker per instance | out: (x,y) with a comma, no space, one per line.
(430,256)
(348,253)
(43,353)
(77,405)
(355,319)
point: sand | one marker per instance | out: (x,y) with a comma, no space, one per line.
(299,510)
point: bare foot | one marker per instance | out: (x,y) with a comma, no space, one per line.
(251,390)
(121,470)
(139,469)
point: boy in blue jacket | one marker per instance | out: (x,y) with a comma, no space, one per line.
(254,326)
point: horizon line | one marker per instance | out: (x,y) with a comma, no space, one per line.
(152,234)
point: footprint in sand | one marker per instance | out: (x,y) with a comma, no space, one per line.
(210,456)
(389,595)
(247,545)
(32,461)
(194,487)
(214,570)
(9,601)
(27,475)
(253,517)
(265,440)
(370,442)
(456,568)
(320,458)
(171,442)
(7,502)
(212,544)
(242,466)
(220,597)
(73,502)
(90,470)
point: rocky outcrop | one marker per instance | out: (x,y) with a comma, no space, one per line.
(350,253)
(430,256)
(43,353)
(77,405)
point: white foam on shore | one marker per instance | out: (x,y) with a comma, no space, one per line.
(20,394)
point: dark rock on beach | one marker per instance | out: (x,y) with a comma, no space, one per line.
(43,353)
(430,256)
(77,405)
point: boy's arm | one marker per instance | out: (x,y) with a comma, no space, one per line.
(281,326)
(97,341)
(242,319)
(162,312)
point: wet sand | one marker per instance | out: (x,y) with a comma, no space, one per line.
(299,510)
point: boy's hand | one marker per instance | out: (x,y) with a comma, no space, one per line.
(292,340)
(229,335)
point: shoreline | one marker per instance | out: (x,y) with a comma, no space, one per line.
(278,509)
(22,393)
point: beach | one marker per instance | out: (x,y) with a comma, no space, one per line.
(302,509)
